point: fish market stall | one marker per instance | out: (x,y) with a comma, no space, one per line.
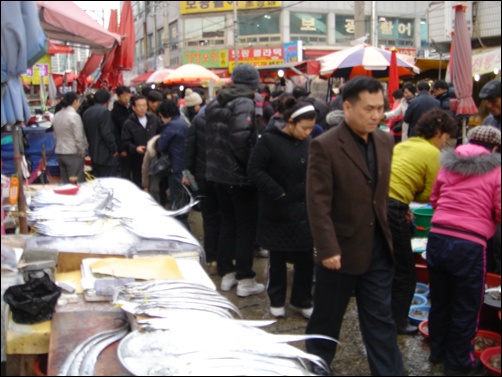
(104,218)
(136,300)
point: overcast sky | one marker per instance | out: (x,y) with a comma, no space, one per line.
(96,9)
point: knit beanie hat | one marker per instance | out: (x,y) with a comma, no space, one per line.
(246,74)
(335,117)
(191,98)
(487,135)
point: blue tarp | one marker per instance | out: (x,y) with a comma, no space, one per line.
(36,137)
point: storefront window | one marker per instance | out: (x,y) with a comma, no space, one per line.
(256,24)
(423,34)
(173,36)
(202,29)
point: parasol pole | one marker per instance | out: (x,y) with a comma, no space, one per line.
(21,203)
(464,129)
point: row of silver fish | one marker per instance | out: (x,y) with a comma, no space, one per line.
(194,344)
(101,199)
(157,298)
(82,360)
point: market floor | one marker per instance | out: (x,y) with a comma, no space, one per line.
(351,355)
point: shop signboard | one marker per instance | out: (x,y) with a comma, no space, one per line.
(308,23)
(293,51)
(41,68)
(256,56)
(197,7)
(391,28)
(206,58)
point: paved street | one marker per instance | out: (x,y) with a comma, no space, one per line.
(351,357)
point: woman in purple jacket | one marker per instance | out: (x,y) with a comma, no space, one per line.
(466,202)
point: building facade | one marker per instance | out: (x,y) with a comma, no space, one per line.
(169,33)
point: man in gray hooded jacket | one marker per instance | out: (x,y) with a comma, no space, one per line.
(231,133)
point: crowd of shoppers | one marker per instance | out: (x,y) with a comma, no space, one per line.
(328,192)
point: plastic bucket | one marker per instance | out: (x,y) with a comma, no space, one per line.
(422,221)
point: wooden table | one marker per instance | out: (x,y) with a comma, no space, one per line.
(71,328)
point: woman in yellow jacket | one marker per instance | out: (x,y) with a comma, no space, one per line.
(415,165)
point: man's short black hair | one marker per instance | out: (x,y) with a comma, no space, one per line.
(122,89)
(102,96)
(423,85)
(440,84)
(360,84)
(134,99)
(155,96)
(168,109)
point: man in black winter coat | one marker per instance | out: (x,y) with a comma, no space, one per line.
(98,126)
(231,133)
(140,127)
(120,113)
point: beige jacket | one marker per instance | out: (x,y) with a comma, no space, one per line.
(69,132)
(147,158)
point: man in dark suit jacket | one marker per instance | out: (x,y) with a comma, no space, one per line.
(98,126)
(419,105)
(347,190)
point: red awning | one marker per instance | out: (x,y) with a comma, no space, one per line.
(141,78)
(66,21)
(313,54)
(59,78)
(55,48)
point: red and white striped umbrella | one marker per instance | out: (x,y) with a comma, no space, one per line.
(363,60)
(461,63)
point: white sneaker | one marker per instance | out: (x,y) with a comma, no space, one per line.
(261,253)
(306,312)
(228,282)
(278,312)
(248,287)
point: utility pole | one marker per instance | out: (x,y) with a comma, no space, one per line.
(236,31)
(359,19)
(165,37)
(374,23)
(145,38)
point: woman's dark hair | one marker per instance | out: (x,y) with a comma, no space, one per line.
(397,94)
(279,104)
(68,99)
(168,109)
(293,105)
(436,120)
(411,88)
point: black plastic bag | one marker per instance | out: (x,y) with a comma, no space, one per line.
(33,301)
(398,127)
(160,165)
